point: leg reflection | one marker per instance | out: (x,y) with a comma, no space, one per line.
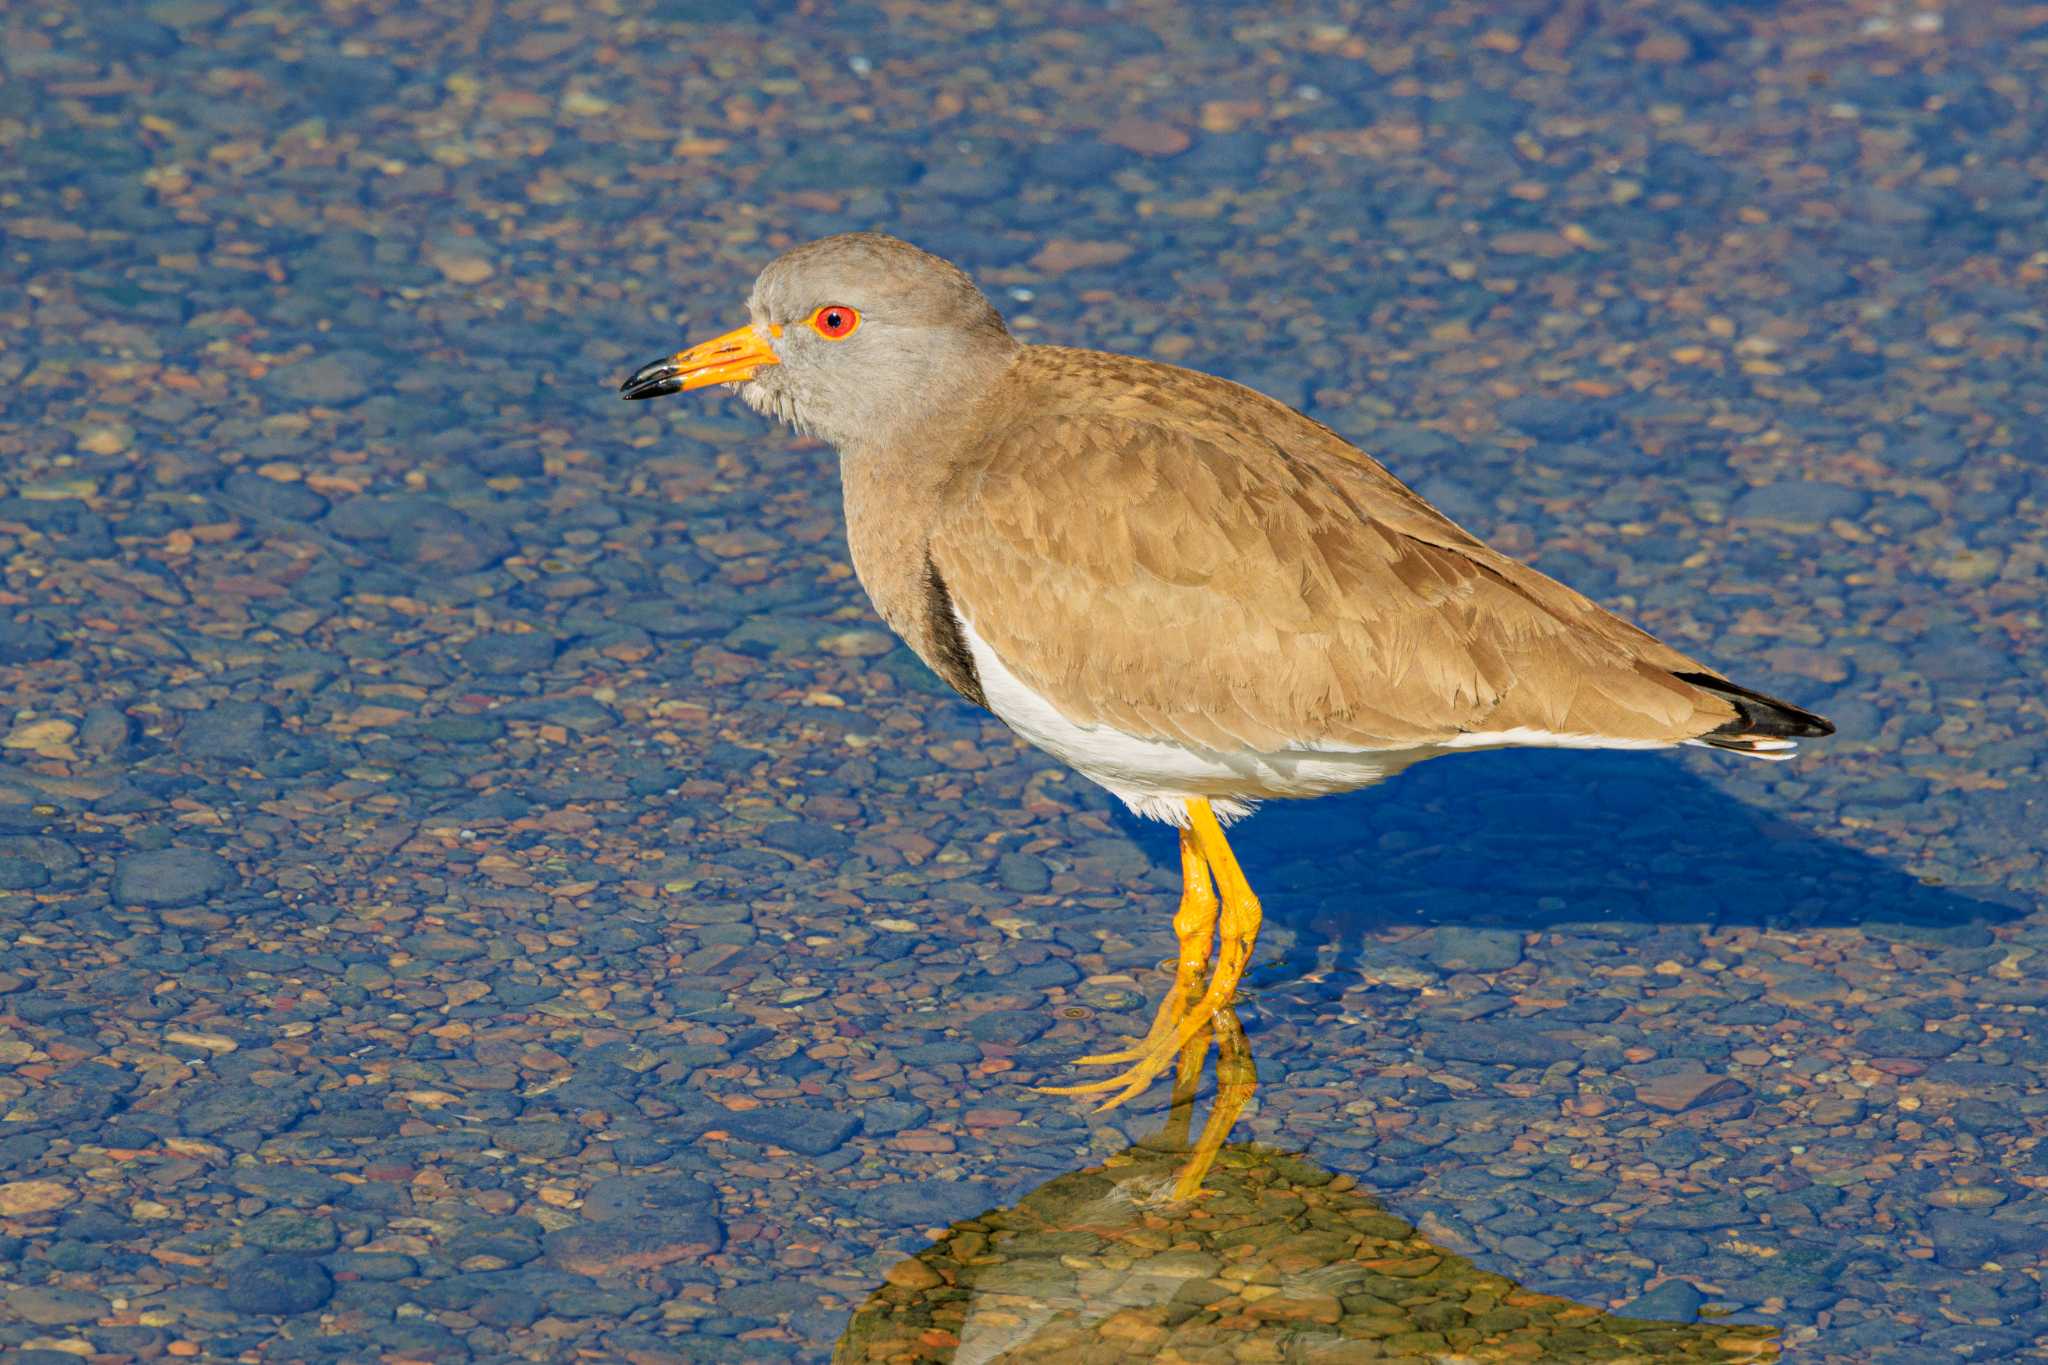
(1237,1078)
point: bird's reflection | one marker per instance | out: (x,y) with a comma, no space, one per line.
(1202,1249)
(1237,1079)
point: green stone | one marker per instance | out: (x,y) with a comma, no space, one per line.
(287,1230)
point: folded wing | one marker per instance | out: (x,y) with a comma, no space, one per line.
(1259,583)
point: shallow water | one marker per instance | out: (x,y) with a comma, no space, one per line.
(480,882)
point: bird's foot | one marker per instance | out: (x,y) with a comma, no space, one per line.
(1214,900)
(1174,1030)
(1165,1024)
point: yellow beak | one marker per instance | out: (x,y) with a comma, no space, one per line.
(728,359)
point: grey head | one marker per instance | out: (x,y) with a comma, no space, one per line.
(858,338)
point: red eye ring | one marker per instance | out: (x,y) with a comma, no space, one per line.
(835,321)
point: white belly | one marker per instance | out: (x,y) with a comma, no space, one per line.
(1156,778)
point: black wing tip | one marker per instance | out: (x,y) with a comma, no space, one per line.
(1758,716)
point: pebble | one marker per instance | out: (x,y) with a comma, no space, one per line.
(22,874)
(808,1129)
(235,731)
(50,738)
(287,500)
(1077,161)
(106,730)
(1671,1301)
(55,1307)
(286,1184)
(926,1202)
(856,644)
(1151,137)
(884,1117)
(1487,1043)
(170,877)
(1685,1090)
(284,1230)
(509,654)
(1559,419)
(1805,504)
(331,378)
(1060,255)
(638,1241)
(278,1285)
(216,1111)
(462,266)
(1457,948)
(24,1198)
(1024,873)
(27,642)
(1966,1197)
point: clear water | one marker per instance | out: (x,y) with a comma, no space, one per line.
(478,881)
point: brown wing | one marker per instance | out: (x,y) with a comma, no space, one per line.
(1204,582)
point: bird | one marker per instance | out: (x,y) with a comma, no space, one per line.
(1190,593)
(1321,1270)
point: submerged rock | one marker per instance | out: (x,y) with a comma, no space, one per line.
(1276,1260)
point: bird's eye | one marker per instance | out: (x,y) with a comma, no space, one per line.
(835,321)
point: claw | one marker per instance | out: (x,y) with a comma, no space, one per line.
(1171,1011)
(1132,1083)
(1177,1029)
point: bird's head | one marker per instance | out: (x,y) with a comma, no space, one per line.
(856,338)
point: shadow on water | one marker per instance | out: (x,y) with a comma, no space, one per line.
(1276,1259)
(1595,842)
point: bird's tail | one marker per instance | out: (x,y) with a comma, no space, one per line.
(1764,727)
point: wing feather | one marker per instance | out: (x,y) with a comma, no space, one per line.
(1266,585)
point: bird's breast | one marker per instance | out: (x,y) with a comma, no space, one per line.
(889,515)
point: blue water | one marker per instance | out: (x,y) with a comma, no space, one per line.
(478,881)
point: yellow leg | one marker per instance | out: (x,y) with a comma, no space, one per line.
(1195,926)
(1180,1113)
(1237,1079)
(1181,1018)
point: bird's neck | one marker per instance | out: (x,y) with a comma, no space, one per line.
(897,487)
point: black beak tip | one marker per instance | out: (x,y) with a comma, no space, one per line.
(651,381)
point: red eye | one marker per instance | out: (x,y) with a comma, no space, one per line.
(834,321)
